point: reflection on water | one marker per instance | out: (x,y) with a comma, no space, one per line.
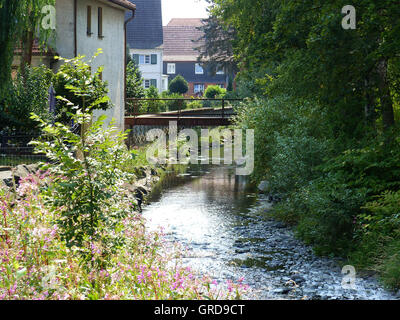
(220,219)
(202,206)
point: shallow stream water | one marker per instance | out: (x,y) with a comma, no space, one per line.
(223,223)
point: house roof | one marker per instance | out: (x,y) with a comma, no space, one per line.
(124,3)
(145,30)
(37,50)
(181,41)
(184,22)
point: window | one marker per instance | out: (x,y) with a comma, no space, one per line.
(198,69)
(89,21)
(147,84)
(171,67)
(100,22)
(153,59)
(147,59)
(198,88)
(220,71)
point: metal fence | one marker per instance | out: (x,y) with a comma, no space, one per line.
(15,149)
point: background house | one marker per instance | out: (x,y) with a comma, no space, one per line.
(145,39)
(180,56)
(81,28)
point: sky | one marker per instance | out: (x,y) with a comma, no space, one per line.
(183,9)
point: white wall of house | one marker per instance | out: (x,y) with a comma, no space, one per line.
(151,71)
(112,44)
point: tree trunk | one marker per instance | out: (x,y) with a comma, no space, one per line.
(384,94)
(26,47)
(369,109)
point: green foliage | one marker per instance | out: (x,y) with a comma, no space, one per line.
(216,51)
(331,147)
(85,185)
(86,167)
(178,85)
(154,106)
(81,87)
(28,93)
(194,105)
(275,120)
(18,20)
(301,48)
(174,105)
(214,92)
(134,81)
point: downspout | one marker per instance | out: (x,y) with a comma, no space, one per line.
(75,28)
(125,30)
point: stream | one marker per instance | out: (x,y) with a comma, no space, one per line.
(222,221)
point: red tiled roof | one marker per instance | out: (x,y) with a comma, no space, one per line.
(184,22)
(180,42)
(37,50)
(124,3)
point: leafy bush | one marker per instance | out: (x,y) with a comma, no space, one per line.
(75,73)
(174,105)
(153,106)
(87,180)
(29,92)
(280,117)
(195,105)
(214,92)
(178,85)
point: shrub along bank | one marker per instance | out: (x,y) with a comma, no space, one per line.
(342,195)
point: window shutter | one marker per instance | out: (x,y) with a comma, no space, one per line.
(136,58)
(153,59)
(154,82)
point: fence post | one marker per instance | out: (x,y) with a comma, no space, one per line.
(223,108)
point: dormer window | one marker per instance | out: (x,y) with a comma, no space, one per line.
(171,68)
(198,69)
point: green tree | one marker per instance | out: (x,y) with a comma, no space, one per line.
(178,85)
(216,49)
(28,93)
(20,25)
(301,46)
(134,81)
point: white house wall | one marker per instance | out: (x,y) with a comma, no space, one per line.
(112,44)
(151,71)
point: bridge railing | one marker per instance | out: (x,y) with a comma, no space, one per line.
(175,106)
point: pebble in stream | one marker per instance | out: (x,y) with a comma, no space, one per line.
(229,242)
